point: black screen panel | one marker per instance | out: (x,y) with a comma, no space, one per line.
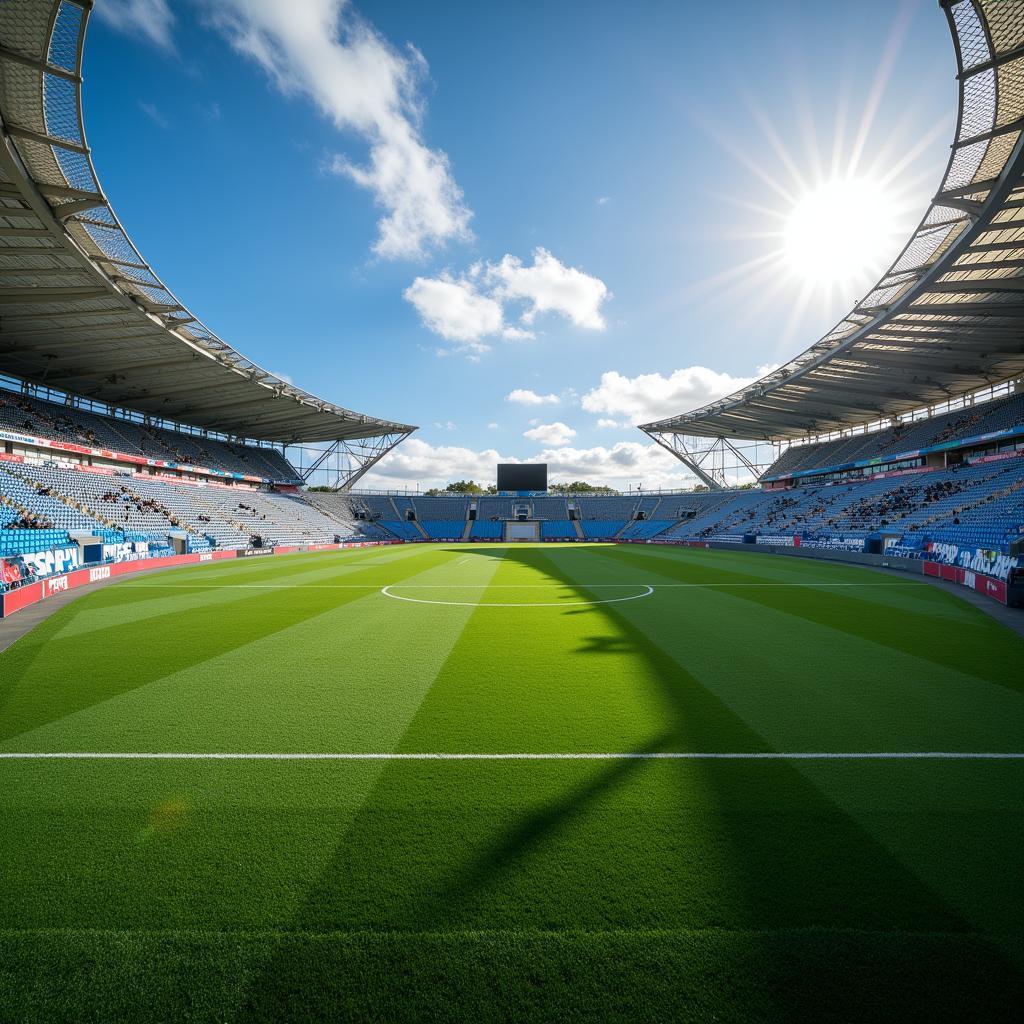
(518,477)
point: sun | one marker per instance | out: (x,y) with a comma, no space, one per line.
(841,230)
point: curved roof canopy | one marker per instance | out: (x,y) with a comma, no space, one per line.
(80,309)
(947,317)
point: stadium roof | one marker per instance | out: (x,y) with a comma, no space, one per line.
(947,318)
(80,309)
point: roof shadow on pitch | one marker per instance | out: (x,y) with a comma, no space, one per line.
(783,855)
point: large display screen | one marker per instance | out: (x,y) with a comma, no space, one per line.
(514,476)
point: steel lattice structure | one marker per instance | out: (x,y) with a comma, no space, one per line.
(80,309)
(947,318)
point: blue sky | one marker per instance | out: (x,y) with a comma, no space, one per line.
(419,210)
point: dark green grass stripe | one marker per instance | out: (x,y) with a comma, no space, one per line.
(816,976)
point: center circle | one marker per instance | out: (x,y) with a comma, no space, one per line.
(387,592)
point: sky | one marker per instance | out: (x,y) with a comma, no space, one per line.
(523,227)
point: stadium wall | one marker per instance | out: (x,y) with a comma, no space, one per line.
(1008,591)
(12,601)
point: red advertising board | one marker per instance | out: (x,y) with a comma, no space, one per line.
(14,600)
(996,589)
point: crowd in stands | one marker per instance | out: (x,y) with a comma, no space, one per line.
(973,421)
(75,426)
(28,521)
(44,503)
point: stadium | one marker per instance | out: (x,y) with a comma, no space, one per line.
(275,745)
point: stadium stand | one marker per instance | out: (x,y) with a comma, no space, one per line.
(444,529)
(557,529)
(70,425)
(487,530)
(972,421)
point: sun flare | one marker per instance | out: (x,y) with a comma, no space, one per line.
(837,232)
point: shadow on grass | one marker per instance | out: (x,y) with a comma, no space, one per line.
(46,676)
(762,852)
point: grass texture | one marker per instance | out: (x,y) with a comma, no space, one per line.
(618,889)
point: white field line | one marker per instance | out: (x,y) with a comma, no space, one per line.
(489,586)
(386,591)
(869,755)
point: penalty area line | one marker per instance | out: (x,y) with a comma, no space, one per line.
(684,755)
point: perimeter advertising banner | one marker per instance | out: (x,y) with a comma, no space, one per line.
(13,569)
(136,460)
(990,563)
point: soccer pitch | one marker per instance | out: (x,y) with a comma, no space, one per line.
(240,791)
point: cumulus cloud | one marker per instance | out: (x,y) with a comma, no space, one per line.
(454,309)
(523,396)
(324,50)
(605,424)
(651,396)
(556,433)
(549,286)
(624,464)
(151,20)
(495,290)
(417,462)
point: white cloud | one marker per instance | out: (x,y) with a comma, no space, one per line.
(608,424)
(447,425)
(624,464)
(472,307)
(152,111)
(550,286)
(603,200)
(417,462)
(454,309)
(517,334)
(556,433)
(492,426)
(325,50)
(151,19)
(523,396)
(651,396)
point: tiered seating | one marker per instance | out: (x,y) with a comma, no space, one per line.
(1001,414)
(641,529)
(716,512)
(498,508)
(550,508)
(442,507)
(444,529)
(557,529)
(67,424)
(105,498)
(486,530)
(601,529)
(401,528)
(648,507)
(606,508)
(336,507)
(981,505)
(20,492)
(24,542)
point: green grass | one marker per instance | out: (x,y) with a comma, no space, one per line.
(826,890)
